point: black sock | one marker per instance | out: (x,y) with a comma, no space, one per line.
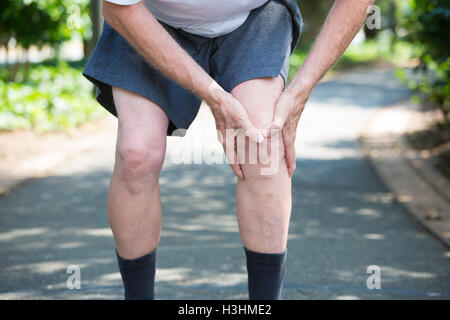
(138,276)
(265,274)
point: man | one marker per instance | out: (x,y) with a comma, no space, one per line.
(154,63)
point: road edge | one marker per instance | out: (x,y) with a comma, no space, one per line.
(84,138)
(422,191)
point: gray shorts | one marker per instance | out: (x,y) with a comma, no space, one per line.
(260,47)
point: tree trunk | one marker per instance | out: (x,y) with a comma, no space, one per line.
(95,8)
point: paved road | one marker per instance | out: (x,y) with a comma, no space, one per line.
(343,218)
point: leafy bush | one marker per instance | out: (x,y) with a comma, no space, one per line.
(426,24)
(55,97)
(39,22)
(26,23)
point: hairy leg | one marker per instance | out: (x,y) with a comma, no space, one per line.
(263,200)
(134,205)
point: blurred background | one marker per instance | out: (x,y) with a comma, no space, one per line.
(46,40)
(373,144)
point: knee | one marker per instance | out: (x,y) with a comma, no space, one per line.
(265,162)
(138,160)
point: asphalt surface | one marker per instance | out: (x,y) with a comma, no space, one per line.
(343,218)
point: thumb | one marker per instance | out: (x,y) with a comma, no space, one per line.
(273,127)
(280,117)
(253,133)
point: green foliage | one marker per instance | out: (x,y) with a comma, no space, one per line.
(44,97)
(55,97)
(40,22)
(366,53)
(426,24)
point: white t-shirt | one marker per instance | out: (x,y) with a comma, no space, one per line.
(207,18)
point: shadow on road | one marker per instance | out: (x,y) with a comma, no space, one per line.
(343,221)
(340,225)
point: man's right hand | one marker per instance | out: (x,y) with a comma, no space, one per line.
(230,114)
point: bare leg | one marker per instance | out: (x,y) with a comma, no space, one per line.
(134,205)
(263,201)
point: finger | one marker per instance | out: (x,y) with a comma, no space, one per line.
(220,136)
(281,114)
(253,133)
(265,131)
(230,153)
(237,170)
(273,128)
(238,163)
(289,148)
(282,110)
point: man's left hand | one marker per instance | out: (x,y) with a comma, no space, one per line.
(286,116)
